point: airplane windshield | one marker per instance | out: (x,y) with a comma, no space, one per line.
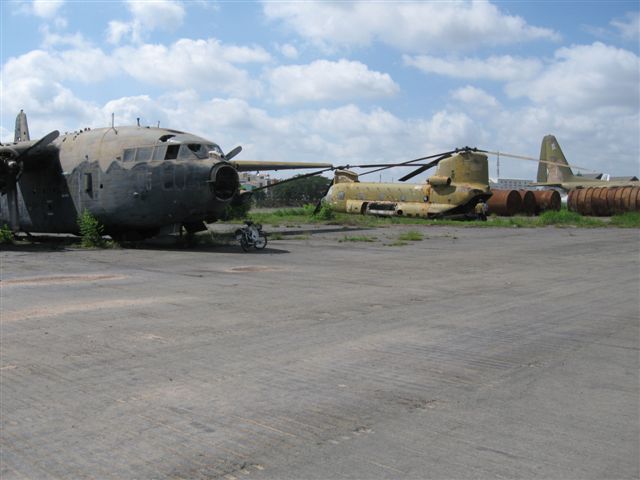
(200,150)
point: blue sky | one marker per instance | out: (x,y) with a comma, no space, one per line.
(347,82)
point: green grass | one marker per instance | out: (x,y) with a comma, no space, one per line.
(410,236)
(626,220)
(562,218)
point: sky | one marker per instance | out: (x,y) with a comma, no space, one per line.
(343,82)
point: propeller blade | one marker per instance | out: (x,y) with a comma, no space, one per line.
(43,142)
(233,153)
(12,201)
(423,168)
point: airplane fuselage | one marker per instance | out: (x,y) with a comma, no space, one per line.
(130,178)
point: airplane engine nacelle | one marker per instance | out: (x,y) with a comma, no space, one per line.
(438,180)
(224,181)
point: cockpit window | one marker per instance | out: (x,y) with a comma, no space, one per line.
(200,150)
(143,154)
(128,155)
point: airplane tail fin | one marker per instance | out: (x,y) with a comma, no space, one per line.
(557,169)
(22,128)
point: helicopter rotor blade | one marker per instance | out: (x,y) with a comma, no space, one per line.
(292,179)
(408,162)
(423,168)
(533,159)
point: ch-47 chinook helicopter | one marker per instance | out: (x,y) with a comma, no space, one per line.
(459,189)
(136,181)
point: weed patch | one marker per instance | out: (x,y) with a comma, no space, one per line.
(91,231)
(410,236)
(6,235)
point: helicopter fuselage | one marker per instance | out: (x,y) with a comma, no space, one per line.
(459,185)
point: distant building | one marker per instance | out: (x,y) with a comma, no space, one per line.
(255,180)
(511,184)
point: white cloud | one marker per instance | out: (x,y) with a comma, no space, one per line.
(325,80)
(46,8)
(50,39)
(499,68)
(415,27)
(288,50)
(82,65)
(629,27)
(476,97)
(584,78)
(147,16)
(117,31)
(203,64)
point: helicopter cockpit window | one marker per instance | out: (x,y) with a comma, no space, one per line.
(129,154)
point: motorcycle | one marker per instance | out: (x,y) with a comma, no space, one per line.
(251,235)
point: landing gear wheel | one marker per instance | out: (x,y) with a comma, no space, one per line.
(261,242)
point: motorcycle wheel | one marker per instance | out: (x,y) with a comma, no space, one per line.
(261,242)
(244,244)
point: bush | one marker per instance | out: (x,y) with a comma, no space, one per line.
(6,235)
(325,213)
(91,230)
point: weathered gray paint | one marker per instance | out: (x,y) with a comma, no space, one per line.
(141,196)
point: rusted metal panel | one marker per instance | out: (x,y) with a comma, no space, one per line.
(547,200)
(528,202)
(604,201)
(505,203)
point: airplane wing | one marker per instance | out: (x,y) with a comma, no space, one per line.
(547,184)
(255,165)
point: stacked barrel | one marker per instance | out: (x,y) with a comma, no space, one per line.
(604,201)
(507,203)
(547,200)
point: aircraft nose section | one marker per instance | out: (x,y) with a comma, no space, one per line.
(224,181)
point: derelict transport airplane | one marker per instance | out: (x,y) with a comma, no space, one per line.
(555,171)
(136,181)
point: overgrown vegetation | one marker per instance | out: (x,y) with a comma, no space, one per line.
(91,231)
(626,220)
(303,191)
(6,235)
(326,212)
(563,218)
(238,211)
